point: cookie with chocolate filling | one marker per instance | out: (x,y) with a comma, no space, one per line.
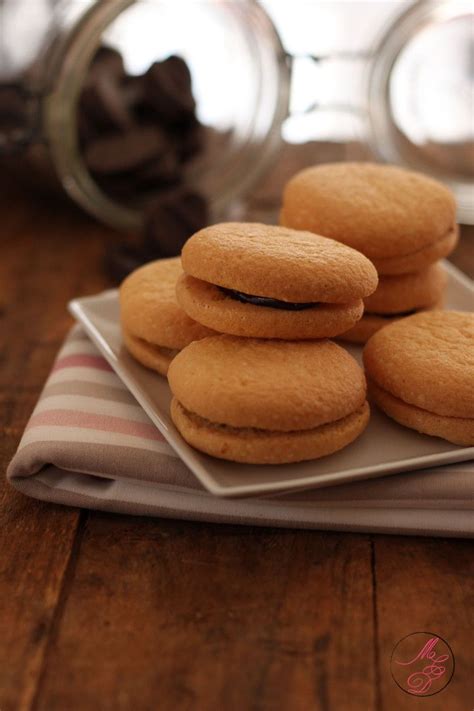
(420,372)
(263,281)
(399,296)
(267,402)
(401,220)
(154,327)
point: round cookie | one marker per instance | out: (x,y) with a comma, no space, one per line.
(154,326)
(396,297)
(401,220)
(263,401)
(421,373)
(264,281)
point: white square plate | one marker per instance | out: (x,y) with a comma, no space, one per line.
(384,448)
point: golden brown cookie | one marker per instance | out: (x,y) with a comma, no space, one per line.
(210,305)
(152,356)
(401,220)
(263,281)
(281,400)
(421,371)
(459,430)
(256,446)
(154,326)
(371,323)
(399,296)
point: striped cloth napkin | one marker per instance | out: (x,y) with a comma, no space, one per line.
(88,443)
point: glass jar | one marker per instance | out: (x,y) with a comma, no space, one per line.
(241,77)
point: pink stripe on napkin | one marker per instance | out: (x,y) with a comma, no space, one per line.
(81,360)
(89,420)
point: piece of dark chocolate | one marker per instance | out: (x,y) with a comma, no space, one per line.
(160,172)
(172,218)
(102,99)
(121,152)
(169,90)
(122,258)
(188,139)
(108,59)
(102,103)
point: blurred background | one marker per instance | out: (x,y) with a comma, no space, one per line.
(159,116)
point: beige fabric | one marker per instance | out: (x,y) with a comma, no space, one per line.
(88,443)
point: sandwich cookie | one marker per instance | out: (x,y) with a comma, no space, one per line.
(399,296)
(264,281)
(401,220)
(154,327)
(420,372)
(267,402)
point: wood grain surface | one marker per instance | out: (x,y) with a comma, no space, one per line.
(102,611)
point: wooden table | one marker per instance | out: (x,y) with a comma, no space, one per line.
(102,611)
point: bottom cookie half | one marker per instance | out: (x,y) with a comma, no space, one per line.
(458,430)
(148,354)
(255,446)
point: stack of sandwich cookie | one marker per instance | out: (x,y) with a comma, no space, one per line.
(154,327)
(402,221)
(267,402)
(421,373)
(267,392)
(260,281)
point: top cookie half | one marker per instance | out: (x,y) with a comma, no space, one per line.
(272,282)
(402,220)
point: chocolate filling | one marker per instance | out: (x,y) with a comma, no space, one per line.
(266,301)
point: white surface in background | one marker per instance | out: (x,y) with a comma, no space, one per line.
(324,28)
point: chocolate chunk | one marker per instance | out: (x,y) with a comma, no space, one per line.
(134,91)
(120,187)
(13,108)
(110,60)
(173,217)
(87,129)
(103,103)
(162,171)
(188,139)
(169,90)
(102,99)
(267,302)
(121,259)
(121,152)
